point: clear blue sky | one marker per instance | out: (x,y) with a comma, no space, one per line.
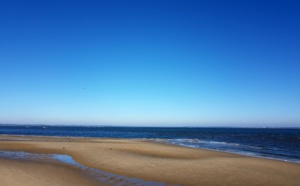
(150,62)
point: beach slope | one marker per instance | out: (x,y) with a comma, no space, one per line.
(141,159)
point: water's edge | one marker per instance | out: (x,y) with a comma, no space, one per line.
(248,154)
(270,143)
(177,142)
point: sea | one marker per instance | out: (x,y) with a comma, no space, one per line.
(272,143)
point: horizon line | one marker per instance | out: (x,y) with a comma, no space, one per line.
(149,126)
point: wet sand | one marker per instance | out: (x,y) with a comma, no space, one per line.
(139,159)
(21,173)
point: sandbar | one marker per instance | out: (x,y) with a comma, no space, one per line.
(141,159)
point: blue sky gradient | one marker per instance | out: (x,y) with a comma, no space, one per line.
(159,63)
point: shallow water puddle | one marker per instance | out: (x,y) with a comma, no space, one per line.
(101,176)
(15,139)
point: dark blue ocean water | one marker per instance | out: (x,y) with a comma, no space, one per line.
(278,143)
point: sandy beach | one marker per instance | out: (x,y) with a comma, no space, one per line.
(140,159)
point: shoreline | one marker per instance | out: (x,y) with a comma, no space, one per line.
(155,140)
(160,162)
(229,152)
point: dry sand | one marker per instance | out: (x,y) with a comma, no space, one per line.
(140,159)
